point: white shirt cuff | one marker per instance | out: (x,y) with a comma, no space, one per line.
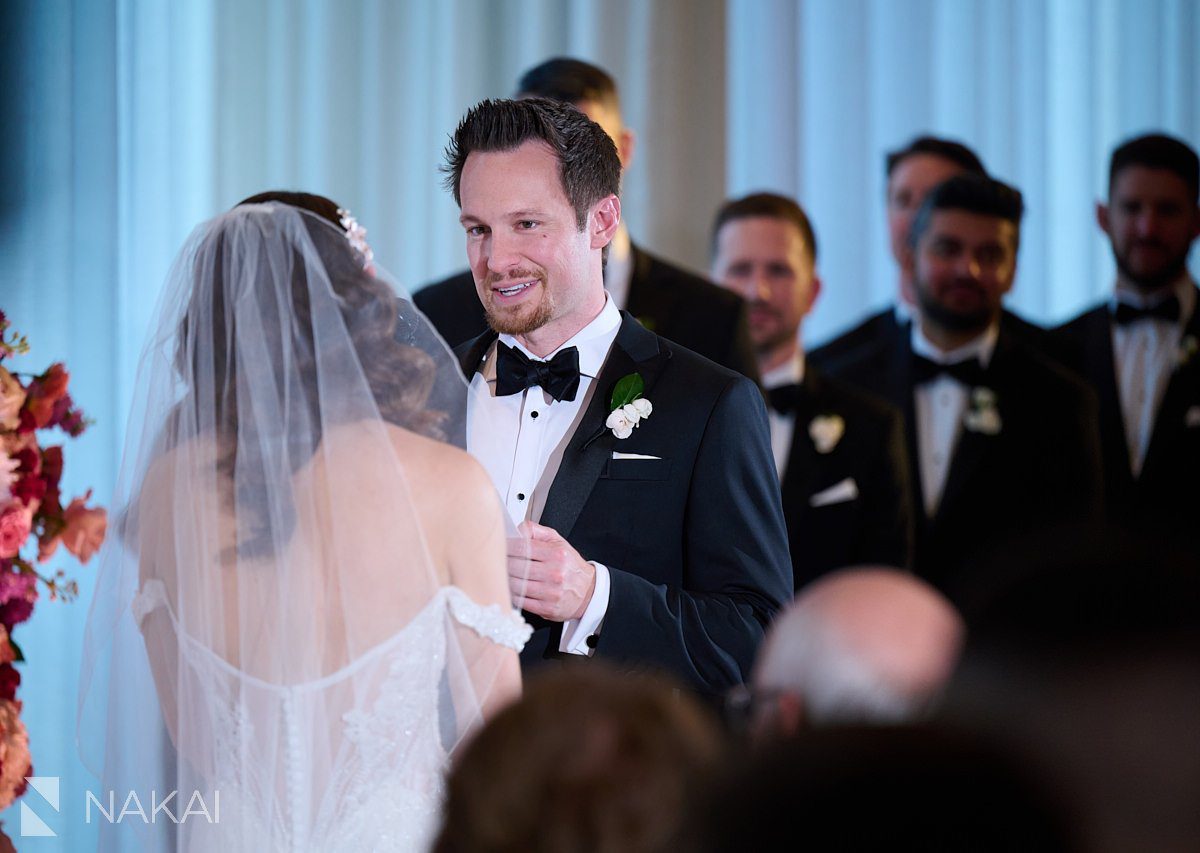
(575,632)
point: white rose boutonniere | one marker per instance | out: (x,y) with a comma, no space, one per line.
(983,415)
(826,431)
(628,407)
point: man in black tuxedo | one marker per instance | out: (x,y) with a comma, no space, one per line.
(1002,442)
(912,171)
(640,472)
(670,301)
(1139,350)
(839,453)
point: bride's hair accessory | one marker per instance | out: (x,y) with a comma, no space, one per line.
(357,235)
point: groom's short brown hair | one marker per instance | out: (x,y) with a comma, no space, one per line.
(588,166)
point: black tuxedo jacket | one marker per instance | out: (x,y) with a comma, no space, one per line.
(1040,472)
(875,527)
(1165,498)
(884,329)
(684,308)
(694,540)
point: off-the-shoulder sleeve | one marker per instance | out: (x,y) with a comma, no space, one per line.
(493,622)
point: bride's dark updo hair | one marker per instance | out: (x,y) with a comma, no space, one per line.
(400,376)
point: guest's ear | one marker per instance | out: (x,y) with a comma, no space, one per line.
(603,221)
(626,143)
(1102,216)
(814,291)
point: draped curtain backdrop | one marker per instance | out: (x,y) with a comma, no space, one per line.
(129,121)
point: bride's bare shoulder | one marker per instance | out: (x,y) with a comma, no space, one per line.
(438,470)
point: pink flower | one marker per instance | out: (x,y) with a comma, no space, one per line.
(17,586)
(15,761)
(15,523)
(12,398)
(8,476)
(84,529)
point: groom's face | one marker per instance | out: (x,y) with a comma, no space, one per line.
(531,263)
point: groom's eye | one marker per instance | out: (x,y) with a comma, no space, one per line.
(527,224)
(476,231)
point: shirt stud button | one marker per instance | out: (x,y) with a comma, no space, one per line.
(520,496)
(533,414)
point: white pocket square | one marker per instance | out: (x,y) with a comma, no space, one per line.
(619,455)
(846,490)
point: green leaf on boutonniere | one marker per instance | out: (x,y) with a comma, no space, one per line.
(18,655)
(628,389)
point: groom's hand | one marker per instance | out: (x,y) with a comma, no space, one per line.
(547,576)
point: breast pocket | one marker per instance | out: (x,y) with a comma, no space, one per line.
(637,469)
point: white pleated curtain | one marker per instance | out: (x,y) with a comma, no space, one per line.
(129,121)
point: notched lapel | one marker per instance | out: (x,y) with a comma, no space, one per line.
(1171,424)
(635,350)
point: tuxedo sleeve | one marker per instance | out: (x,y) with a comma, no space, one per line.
(737,572)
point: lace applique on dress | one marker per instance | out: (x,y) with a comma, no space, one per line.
(505,628)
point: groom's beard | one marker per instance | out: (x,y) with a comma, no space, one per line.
(532,312)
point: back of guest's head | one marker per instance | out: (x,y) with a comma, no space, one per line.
(1158,151)
(881,789)
(946,149)
(571,81)
(588,166)
(866,644)
(587,760)
(972,194)
(768,206)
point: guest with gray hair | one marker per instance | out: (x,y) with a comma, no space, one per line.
(867,644)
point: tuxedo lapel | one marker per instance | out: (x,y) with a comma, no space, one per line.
(1183,392)
(636,350)
(803,464)
(471,353)
(899,378)
(1100,370)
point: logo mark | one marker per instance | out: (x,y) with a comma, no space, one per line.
(33,826)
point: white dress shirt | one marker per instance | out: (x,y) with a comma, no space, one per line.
(939,409)
(783,427)
(1145,353)
(514,437)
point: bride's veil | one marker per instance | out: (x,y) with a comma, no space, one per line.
(292,504)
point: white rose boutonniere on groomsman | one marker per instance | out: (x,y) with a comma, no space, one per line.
(826,431)
(629,407)
(983,415)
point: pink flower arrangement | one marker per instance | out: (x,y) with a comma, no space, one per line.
(32,514)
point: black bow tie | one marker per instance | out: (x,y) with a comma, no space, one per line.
(558,377)
(1167,310)
(787,399)
(969,371)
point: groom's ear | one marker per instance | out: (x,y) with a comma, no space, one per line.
(603,220)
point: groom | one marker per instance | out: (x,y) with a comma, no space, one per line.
(655,539)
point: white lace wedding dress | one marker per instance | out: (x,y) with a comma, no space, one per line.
(376,780)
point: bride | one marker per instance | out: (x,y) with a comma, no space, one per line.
(309,606)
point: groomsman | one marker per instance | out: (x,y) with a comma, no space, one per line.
(1003,442)
(912,171)
(640,472)
(1139,349)
(839,453)
(679,305)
